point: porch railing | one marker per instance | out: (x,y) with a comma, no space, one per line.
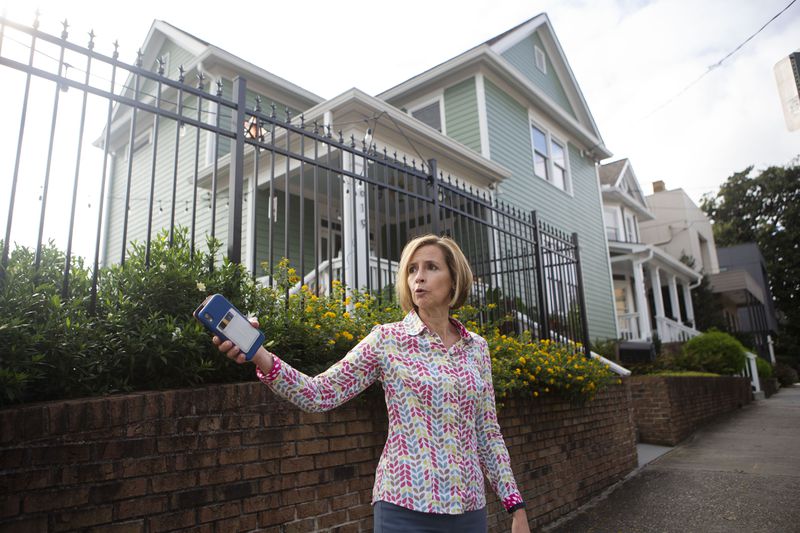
(671,331)
(260,178)
(628,325)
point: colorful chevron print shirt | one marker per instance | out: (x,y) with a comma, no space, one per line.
(443,430)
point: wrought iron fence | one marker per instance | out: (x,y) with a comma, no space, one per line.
(338,208)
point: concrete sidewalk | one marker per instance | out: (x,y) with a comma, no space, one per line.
(739,474)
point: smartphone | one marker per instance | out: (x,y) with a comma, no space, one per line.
(222,319)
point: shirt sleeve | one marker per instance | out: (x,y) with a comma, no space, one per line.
(337,385)
(492,450)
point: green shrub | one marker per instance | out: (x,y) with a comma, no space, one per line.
(764,368)
(786,375)
(142,334)
(714,351)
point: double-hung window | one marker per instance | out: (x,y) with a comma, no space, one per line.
(550,158)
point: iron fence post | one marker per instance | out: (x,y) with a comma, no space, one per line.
(435,192)
(581,297)
(236,177)
(544,322)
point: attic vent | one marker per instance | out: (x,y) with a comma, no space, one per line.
(541,60)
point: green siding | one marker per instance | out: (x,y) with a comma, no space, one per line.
(162,191)
(461,114)
(522,56)
(581,212)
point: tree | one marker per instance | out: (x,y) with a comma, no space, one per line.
(765,209)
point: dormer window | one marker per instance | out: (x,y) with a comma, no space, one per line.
(429,113)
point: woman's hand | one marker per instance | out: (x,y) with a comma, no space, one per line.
(262,358)
(519,522)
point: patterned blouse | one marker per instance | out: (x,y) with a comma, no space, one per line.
(443,430)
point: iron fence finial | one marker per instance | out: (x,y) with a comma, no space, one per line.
(91,39)
(139,57)
(181,73)
(219,86)
(115,55)
(200,79)
(161,60)
(64,32)
(36,20)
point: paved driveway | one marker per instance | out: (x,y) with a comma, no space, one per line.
(739,474)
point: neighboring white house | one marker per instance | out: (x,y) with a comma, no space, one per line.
(680,228)
(638,265)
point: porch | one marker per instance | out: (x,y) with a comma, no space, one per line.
(652,294)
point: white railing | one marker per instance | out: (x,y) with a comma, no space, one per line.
(332,269)
(628,325)
(750,370)
(671,331)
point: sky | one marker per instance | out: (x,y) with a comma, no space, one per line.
(632,59)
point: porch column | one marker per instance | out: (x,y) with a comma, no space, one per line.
(673,298)
(655,283)
(355,253)
(687,298)
(643,313)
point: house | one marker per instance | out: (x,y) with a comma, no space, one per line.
(505,122)
(743,287)
(652,287)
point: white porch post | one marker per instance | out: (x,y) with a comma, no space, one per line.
(353,223)
(687,297)
(643,314)
(755,380)
(673,298)
(655,282)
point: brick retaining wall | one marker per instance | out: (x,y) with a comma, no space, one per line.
(668,409)
(234,457)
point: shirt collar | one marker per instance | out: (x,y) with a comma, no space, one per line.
(414,326)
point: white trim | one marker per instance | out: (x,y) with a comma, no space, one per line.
(567,170)
(437,97)
(520,33)
(210,118)
(483,122)
(540,57)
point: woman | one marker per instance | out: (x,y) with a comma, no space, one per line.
(437,380)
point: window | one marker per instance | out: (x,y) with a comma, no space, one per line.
(540,59)
(610,217)
(540,153)
(550,161)
(559,166)
(630,228)
(430,114)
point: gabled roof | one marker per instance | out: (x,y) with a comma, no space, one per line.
(489,54)
(204,56)
(618,182)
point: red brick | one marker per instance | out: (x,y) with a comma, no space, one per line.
(312,447)
(25,525)
(330,459)
(278,516)
(298,464)
(332,519)
(134,526)
(58,499)
(215,476)
(241,523)
(219,512)
(82,518)
(10,506)
(143,467)
(260,503)
(238,455)
(300,526)
(260,469)
(170,521)
(170,482)
(140,507)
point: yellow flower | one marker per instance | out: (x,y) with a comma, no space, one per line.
(346,315)
(347,301)
(294,279)
(359,305)
(331,342)
(522,360)
(317,326)
(491,306)
(579,378)
(201,286)
(309,309)
(329,314)
(304,287)
(455,316)
(518,371)
(347,335)
(535,393)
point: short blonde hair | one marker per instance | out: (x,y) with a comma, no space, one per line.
(457,264)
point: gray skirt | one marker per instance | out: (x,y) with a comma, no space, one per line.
(391,518)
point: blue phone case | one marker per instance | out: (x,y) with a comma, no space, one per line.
(222,319)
